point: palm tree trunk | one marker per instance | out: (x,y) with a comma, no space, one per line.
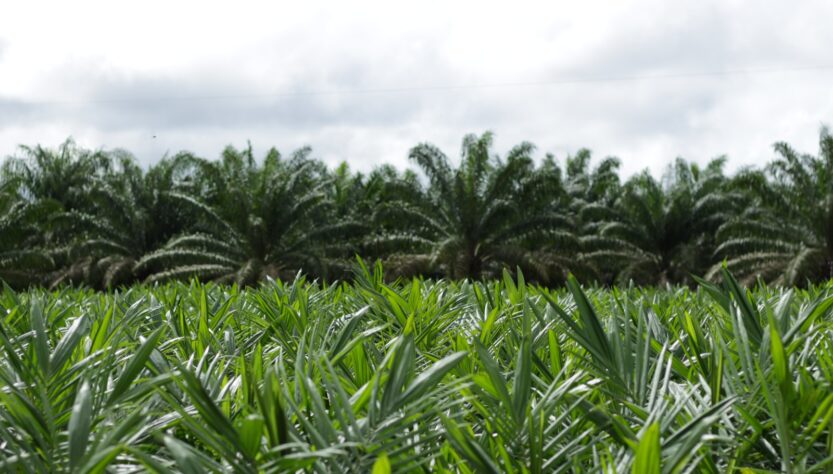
(476,268)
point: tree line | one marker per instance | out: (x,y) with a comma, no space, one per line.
(73,216)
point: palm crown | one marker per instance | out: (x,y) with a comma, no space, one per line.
(129,215)
(258,220)
(22,252)
(786,232)
(482,215)
(659,231)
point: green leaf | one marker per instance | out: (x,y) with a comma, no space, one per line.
(401,370)
(431,377)
(749,313)
(463,440)
(522,384)
(382,465)
(648,452)
(591,327)
(779,358)
(250,431)
(41,339)
(135,366)
(491,368)
(186,458)
(67,344)
(80,422)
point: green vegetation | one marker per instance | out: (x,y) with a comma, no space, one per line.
(417,376)
(212,353)
(96,219)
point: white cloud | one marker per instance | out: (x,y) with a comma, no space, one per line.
(200,75)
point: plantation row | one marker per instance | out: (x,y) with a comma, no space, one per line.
(419,376)
(95,218)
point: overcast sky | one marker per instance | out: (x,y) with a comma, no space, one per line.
(646,80)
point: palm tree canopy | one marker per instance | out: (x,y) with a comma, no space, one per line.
(22,252)
(482,215)
(69,215)
(257,220)
(129,214)
(662,228)
(785,233)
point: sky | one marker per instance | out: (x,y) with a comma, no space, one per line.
(363,82)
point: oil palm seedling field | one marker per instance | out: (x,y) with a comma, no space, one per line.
(417,376)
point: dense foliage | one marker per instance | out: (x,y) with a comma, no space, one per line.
(416,376)
(96,218)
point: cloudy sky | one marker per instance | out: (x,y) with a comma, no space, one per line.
(643,80)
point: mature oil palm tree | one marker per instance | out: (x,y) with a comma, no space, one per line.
(663,231)
(130,214)
(62,175)
(591,195)
(356,198)
(485,215)
(257,221)
(599,185)
(48,180)
(785,234)
(23,259)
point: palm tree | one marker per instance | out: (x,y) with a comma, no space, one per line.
(356,197)
(785,234)
(46,181)
(601,185)
(62,175)
(130,214)
(483,216)
(591,195)
(23,259)
(55,178)
(663,231)
(257,221)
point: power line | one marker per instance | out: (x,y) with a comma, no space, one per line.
(430,88)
